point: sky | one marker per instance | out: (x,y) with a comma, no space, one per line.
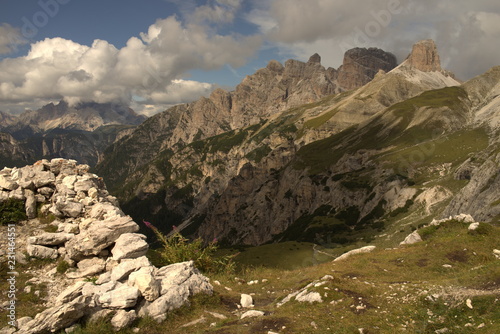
(152,54)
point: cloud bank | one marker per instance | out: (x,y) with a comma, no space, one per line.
(466,32)
(147,71)
(150,71)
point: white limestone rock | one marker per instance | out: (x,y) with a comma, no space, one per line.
(411,239)
(144,279)
(246,301)
(58,317)
(252,314)
(121,297)
(99,236)
(126,266)
(50,239)
(42,252)
(130,246)
(366,249)
(123,319)
(70,293)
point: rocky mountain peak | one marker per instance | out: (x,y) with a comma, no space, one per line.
(275,66)
(361,65)
(424,57)
(314,59)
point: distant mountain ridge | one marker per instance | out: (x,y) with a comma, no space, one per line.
(80,132)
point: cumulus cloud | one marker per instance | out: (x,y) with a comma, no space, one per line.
(149,69)
(466,32)
(10,39)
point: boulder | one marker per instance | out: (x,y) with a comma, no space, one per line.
(90,289)
(246,301)
(30,204)
(366,249)
(121,297)
(252,314)
(186,274)
(45,191)
(84,183)
(412,238)
(70,208)
(50,239)
(173,299)
(93,193)
(104,210)
(98,236)
(123,319)
(144,279)
(130,246)
(126,266)
(42,252)
(58,317)
(44,178)
(473,226)
(309,297)
(88,267)
(17,194)
(70,293)
(7,183)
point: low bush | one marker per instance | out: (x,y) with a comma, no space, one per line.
(176,248)
(12,211)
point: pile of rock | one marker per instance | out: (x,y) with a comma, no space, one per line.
(98,241)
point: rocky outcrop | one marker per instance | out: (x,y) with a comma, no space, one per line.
(361,65)
(94,238)
(424,57)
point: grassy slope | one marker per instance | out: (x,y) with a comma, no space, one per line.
(396,289)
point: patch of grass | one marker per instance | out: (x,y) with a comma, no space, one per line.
(62,267)
(316,122)
(259,153)
(12,211)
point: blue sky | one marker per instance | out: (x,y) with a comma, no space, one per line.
(153,54)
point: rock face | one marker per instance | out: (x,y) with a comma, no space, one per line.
(361,65)
(424,57)
(103,241)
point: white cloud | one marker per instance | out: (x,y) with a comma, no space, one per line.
(150,67)
(10,39)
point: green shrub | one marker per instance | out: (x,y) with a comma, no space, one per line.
(176,248)
(482,229)
(62,267)
(12,211)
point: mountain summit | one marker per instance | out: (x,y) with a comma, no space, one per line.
(424,57)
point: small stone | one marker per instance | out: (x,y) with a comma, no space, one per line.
(252,314)
(473,226)
(468,302)
(246,301)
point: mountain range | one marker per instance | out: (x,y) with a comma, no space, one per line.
(300,152)
(78,132)
(296,151)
